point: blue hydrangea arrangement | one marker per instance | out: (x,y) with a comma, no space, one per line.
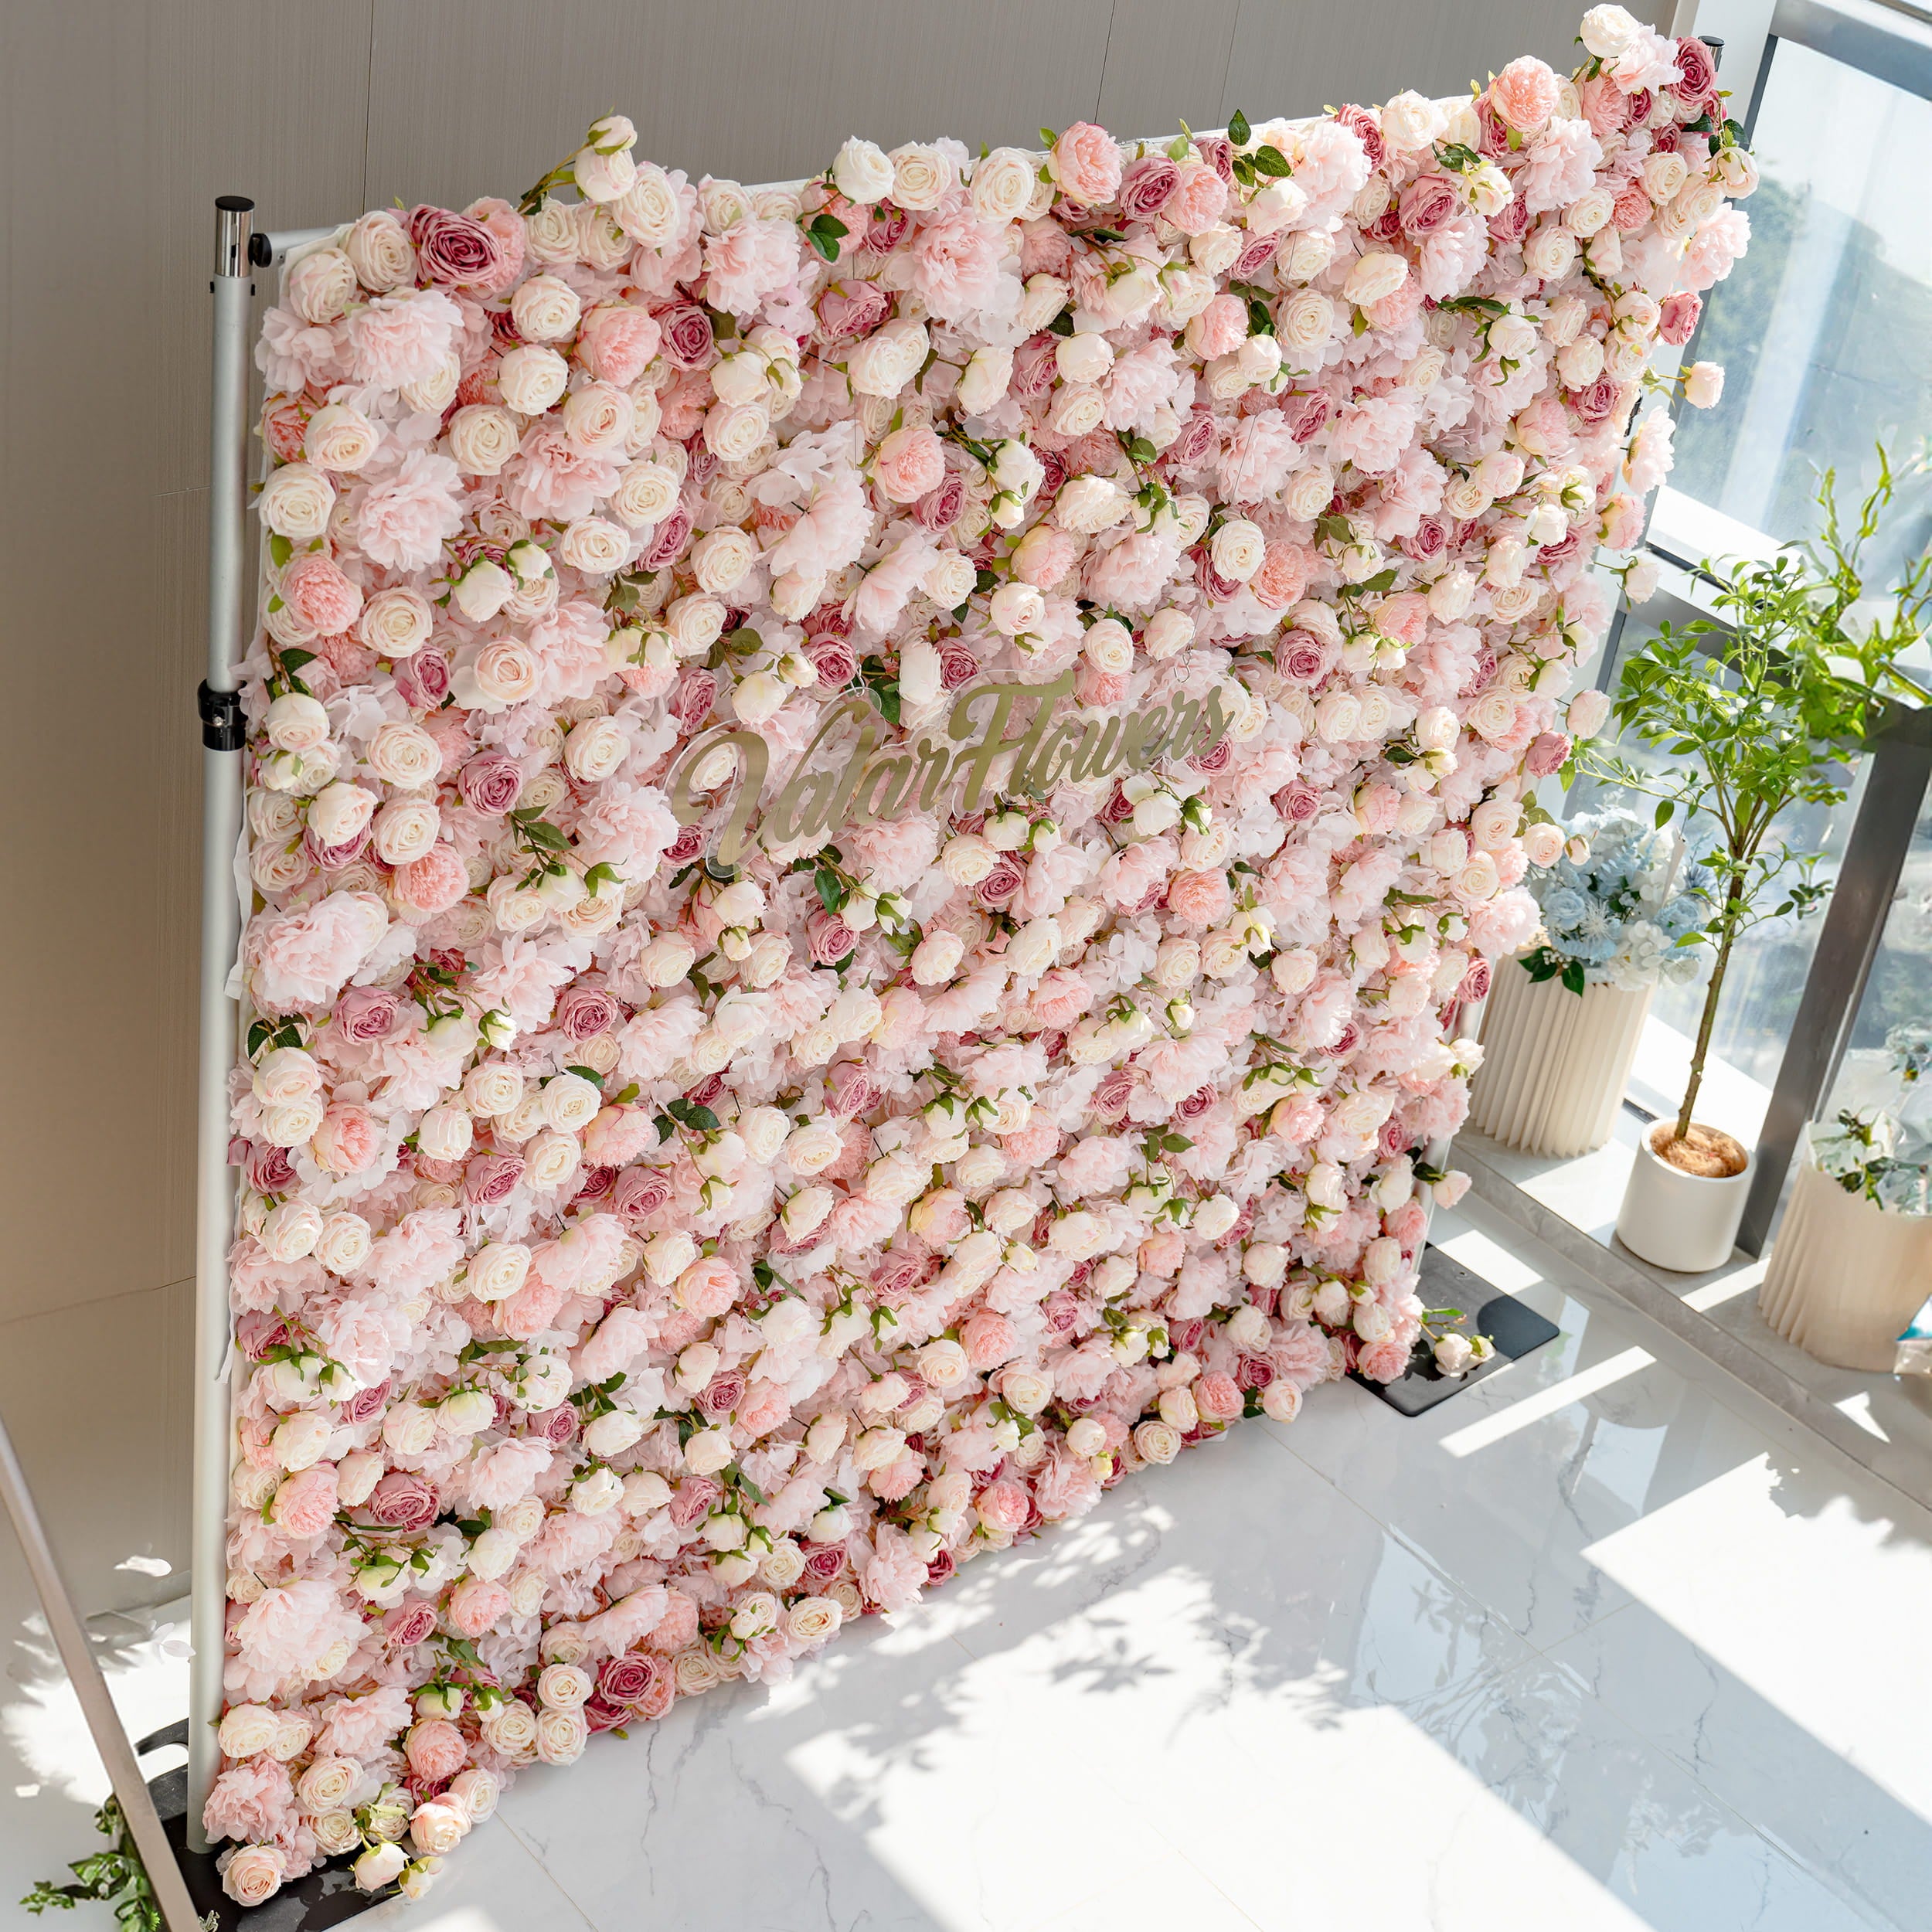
(1885,1153)
(1628,912)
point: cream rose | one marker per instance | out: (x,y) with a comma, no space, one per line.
(532,378)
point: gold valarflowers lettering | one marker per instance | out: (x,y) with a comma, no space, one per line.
(861,781)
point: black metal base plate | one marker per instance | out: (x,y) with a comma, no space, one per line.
(1513,1326)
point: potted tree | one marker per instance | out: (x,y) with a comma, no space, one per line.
(1761,708)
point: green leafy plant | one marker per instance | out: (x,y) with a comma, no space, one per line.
(115,1878)
(1764,707)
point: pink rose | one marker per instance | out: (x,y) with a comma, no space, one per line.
(423,679)
(908,464)
(490,782)
(850,1091)
(1696,69)
(1087,164)
(1386,1361)
(835,662)
(709,1286)
(452,249)
(829,937)
(1548,753)
(491,1178)
(988,1339)
(305,1506)
(1427,203)
(1146,185)
(688,342)
(1004,1505)
(1220,328)
(630,1680)
(848,310)
(1677,321)
(408,1625)
(366,1013)
(403,1501)
(940,509)
(640,1190)
(584,1012)
(1002,881)
(958,665)
(1198,898)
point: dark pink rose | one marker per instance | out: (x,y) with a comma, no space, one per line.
(1118,809)
(1492,133)
(334,858)
(690,703)
(1360,123)
(688,341)
(824,1563)
(491,1177)
(1034,368)
(1002,882)
(584,1011)
(1308,413)
(686,846)
(600,1714)
(1678,320)
(1298,801)
(1145,186)
(940,1569)
(1549,752)
(1188,1334)
(258,1330)
(828,620)
(268,1170)
(556,1426)
(940,509)
(453,250)
(366,1402)
(492,781)
(640,1190)
(830,938)
(1196,1104)
(1218,151)
(1217,758)
(629,1679)
(1564,549)
(1598,403)
(365,1013)
(1217,586)
(1191,447)
(958,665)
(1111,1096)
(706,1090)
(851,1091)
(848,310)
(899,1274)
(887,230)
(835,662)
(1512,223)
(403,1500)
(1697,69)
(1260,249)
(1428,541)
(596,1183)
(1394,1139)
(423,679)
(1253,1372)
(1475,982)
(408,1624)
(723,1393)
(672,535)
(1426,204)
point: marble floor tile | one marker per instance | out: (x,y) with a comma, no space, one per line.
(493,1884)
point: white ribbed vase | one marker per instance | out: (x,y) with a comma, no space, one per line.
(1554,1064)
(1845,1276)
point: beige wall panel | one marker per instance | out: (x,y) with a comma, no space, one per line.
(478,96)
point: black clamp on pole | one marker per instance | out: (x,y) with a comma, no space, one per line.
(222,727)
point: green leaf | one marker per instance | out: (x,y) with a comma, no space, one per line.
(831,894)
(666,1126)
(294,659)
(586,1073)
(1270,162)
(279,549)
(1665,808)
(1239,132)
(1062,324)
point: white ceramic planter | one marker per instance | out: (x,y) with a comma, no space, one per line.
(1845,1276)
(1686,1223)
(1555,1064)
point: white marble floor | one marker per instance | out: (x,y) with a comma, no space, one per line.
(1602,1643)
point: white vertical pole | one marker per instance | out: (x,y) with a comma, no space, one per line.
(220,933)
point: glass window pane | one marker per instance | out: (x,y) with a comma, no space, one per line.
(1824,329)
(1900,985)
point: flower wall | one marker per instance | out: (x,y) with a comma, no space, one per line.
(649,1260)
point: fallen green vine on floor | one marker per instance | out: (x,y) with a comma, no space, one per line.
(116,1878)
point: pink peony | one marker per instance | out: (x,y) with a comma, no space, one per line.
(402,523)
(908,464)
(955,265)
(1087,164)
(400,339)
(1524,94)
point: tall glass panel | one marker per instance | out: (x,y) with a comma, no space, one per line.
(1824,328)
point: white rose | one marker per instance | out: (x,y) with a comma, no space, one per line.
(648,210)
(1237,550)
(1076,410)
(861,173)
(1410,123)
(405,830)
(936,957)
(339,811)
(396,623)
(1002,185)
(339,437)
(646,493)
(497,1270)
(987,373)
(1088,504)
(721,557)
(923,177)
(379,247)
(295,502)
(403,754)
(1015,609)
(531,378)
(1375,275)
(1083,357)
(296,722)
(1606,32)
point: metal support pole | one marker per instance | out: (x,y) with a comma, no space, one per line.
(103,1721)
(220,935)
(1888,814)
